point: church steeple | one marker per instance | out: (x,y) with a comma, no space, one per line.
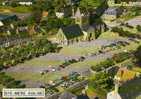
(78,17)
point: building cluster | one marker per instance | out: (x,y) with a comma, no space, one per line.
(82,30)
(8,24)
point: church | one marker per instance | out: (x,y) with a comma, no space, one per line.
(81,30)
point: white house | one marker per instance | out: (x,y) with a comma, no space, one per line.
(27,3)
(1,23)
(60,14)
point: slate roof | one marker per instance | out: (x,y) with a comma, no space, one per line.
(113,11)
(4,17)
(79,13)
(72,31)
(83,97)
(94,26)
(134,22)
(67,95)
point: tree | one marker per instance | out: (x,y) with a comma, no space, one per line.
(138,54)
(139,28)
(59,4)
(90,4)
(102,81)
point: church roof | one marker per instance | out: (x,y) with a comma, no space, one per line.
(78,13)
(72,31)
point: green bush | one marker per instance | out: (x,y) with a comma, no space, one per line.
(139,28)
(9,82)
(102,80)
(103,65)
(18,54)
(123,33)
(121,57)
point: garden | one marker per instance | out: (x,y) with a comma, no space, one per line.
(18,54)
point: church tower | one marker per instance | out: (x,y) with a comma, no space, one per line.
(78,17)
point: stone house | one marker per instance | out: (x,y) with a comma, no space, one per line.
(69,34)
(6,23)
(112,13)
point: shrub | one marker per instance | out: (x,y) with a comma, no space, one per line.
(139,28)
(103,65)
(121,57)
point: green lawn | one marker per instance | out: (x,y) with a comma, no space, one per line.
(18,9)
(42,62)
(110,36)
(36,76)
(137,69)
(75,50)
(131,30)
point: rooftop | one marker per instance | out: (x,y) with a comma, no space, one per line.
(135,21)
(113,11)
(72,31)
(5,17)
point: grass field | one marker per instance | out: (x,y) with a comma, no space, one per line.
(19,9)
(110,35)
(42,62)
(74,50)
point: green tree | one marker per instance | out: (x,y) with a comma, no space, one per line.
(102,81)
(138,54)
(139,28)
(59,4)
(90,4)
